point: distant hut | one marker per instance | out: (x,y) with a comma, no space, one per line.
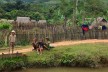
(34,22)
(99,22)
(42,23)
(24,22)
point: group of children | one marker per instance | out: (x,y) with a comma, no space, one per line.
(39,46)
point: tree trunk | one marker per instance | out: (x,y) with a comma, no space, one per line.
(64,26)
(75,14)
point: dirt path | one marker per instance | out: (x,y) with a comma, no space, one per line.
(63,43)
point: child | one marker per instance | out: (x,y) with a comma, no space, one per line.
(41,46)
(12,39)
(47,41)
(48,44)
(35,44)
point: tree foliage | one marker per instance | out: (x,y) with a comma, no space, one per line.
(60,12)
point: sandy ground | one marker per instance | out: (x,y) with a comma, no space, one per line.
(63,43)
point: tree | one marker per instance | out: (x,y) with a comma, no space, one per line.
(59,13)
(8,7)
(95,7)
(36,15)
(66,9)
(20,5)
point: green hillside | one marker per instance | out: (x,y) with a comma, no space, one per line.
(40,1)
(5,1)
(54,11)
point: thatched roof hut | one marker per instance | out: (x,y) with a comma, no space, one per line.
(42,21)
(99,21)
(34,21)
(23,23)
(23,20)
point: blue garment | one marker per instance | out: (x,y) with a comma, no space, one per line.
(104,28)
(41,44)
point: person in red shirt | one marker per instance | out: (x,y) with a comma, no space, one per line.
(85,28)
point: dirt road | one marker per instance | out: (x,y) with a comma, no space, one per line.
(63,43)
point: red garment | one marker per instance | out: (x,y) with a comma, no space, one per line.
(85,28)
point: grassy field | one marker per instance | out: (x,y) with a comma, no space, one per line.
(82,55)
(88,55)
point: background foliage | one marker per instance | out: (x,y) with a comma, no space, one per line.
(54,11)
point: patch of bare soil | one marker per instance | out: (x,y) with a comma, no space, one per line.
(63,43)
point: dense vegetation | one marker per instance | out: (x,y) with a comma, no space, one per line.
(10,64)
(5,25)
(83,55)
(5,28)
(54,11)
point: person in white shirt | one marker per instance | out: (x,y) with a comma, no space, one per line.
(12,40)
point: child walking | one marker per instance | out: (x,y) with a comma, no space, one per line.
(12,39)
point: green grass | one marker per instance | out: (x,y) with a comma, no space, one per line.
(90,55)
(96,49)
(82,55)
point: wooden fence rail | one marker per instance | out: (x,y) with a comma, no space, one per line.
(56,33)
(60,35)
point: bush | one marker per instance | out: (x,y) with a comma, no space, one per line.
(10,64)
(5,25)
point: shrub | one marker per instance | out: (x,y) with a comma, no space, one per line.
(5,25)
(12,63)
